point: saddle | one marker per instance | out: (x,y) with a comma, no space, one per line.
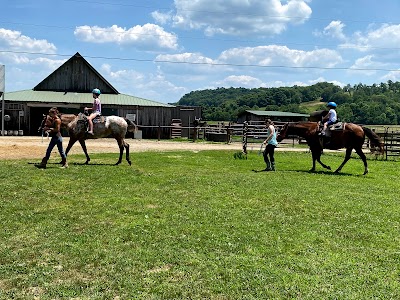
(98,119)
(336,126)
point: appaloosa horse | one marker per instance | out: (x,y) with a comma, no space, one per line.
(351,137)
(113,126)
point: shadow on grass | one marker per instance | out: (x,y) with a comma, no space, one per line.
(76,164)
(331,173)
(93,164)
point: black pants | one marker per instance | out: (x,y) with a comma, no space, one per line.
(269,151)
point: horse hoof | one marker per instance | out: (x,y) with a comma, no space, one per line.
(129,162)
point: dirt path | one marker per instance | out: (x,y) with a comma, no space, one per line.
(16,147)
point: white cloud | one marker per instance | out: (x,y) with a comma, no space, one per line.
(365,64)
(234,58)
(162,18)
(16,41)
(392,75)
(147,37)
(236,17)
(386,36)
(153,86)
(335,30)
(275,55)
(244,81)
(321,79)
(192,63)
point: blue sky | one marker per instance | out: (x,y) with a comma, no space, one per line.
(161,50)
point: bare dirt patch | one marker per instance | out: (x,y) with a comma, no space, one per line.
(16,147)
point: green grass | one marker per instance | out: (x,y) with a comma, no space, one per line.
(186,225)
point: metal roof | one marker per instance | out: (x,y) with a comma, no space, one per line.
(79,98)
(274,113)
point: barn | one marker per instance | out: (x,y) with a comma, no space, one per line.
(262,115)
(69,88)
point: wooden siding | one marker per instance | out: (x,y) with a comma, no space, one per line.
(75,75)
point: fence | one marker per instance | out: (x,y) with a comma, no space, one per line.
(256,132)
(391,138)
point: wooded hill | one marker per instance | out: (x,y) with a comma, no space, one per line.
(363,104)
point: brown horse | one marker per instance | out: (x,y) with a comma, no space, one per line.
(351,137)
(113,126)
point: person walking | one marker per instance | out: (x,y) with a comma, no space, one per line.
(270,144)
(53,128)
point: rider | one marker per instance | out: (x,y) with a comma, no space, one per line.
(331,117)
(96,109)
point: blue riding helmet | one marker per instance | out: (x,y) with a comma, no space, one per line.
(332,104)
(96,91)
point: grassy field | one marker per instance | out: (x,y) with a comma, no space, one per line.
(186,225)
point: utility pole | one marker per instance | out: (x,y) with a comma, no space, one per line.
(2,91)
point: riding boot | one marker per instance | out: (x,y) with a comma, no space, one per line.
(64,163)
(273,166)
(268,168)
(42,164)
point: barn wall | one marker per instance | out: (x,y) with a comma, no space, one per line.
(145,116)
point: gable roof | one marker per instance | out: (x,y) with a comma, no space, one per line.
(79,98)
(75,75)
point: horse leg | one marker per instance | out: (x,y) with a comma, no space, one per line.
(364,159)
(83,145)
(313,154)
(318,153)
(121,149)
(71,142)
(126,145)
(347,157)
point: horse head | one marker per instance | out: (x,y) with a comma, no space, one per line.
(46,122)
(282,133)
(318,115)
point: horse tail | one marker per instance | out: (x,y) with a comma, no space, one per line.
(131,126)
(375,141)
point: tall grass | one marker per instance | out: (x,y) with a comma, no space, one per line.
(200,225)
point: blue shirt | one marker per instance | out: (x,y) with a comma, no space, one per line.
(273,140)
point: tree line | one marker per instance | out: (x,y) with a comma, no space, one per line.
(360,103)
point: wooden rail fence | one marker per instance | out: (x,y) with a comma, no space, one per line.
(256,132)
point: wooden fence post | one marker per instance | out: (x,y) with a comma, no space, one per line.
(195,133)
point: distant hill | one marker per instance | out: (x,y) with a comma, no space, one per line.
(375,104)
